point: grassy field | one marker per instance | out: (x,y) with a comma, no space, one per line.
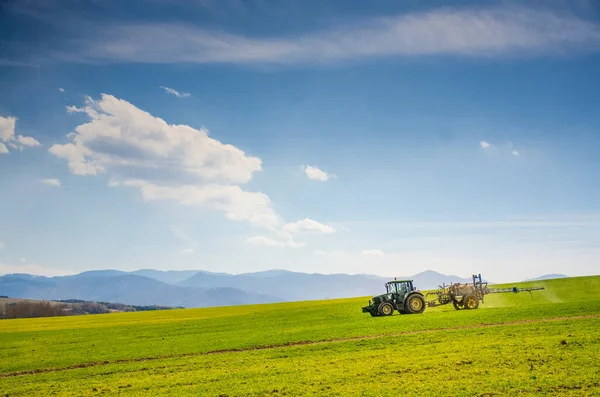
(514,344)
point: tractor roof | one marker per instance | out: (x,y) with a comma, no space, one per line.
(399,281)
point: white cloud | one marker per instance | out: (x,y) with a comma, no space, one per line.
(51,182)
(372,252)
(7,128)
(7,134)
(480,32)
(187,251)
(75,109)
(485,145)
(61,89)
(176,93)
(121,137)
(32,268)
(27,141)
(178,162)
(237,204)
(269,242)
(515,153)
(307,225)
(2,246)
(316,174)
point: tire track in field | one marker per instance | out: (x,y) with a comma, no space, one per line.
(289,344)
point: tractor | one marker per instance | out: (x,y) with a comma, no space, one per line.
(400,295)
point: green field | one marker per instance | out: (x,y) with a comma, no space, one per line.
(514,344)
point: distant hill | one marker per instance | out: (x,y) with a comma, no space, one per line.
(169,276)
(547,277)
(123,288)
(430,279)
(197,288)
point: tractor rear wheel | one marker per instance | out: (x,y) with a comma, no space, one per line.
(471,302)
(414,304)
(386,309)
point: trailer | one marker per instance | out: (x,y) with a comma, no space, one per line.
(468,295)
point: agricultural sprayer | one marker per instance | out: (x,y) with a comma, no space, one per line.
(401,295)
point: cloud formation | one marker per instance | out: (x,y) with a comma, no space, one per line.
(476,32)
(485,145)
(121,137)
(27,141)
(307,225)
(177,163)
(7,135)
(176,93)
(51,182)
(316,174)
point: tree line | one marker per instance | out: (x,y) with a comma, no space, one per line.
(68,307)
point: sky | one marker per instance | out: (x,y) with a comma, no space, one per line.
(353,137)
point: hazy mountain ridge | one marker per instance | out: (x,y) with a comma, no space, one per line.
(124,288)
(191,288)
(547,277)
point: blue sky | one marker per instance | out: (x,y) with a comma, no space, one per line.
(358,137)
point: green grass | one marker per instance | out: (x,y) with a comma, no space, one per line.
(440,352)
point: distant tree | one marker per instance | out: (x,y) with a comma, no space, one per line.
(26,309)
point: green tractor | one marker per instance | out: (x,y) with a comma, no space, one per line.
(401,295)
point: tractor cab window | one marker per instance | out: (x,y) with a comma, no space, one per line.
(391,288)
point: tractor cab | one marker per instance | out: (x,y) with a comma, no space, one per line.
(399,287)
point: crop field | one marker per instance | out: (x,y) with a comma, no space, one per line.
(547,343)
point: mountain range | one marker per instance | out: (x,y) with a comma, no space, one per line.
(193,288)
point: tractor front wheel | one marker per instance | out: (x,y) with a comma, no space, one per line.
(386,309)
(456,306)
(471,302)
(415,304)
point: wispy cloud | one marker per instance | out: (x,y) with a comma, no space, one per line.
(61,89)
(515,153)
(485,145)
(18,64)
(51,182)
(372,253)
(7,135)
(317,174)
(307,225)
(473,32)
(175,92)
